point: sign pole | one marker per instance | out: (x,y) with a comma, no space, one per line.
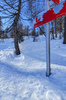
(60,1)
(48,70)
(50,15)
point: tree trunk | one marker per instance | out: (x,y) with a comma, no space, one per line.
(64,41)
(55,30)
(60,28)
(17,50)
(52,32)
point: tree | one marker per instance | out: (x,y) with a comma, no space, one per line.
(35,7)
(0,27)
(27,30)
(17,50)
(52,30)
(34,35)
(55,21)
(10,10)
(12,33)
(64,41)
(20,32)
(6,31)
(42,32)
(0,23)
(60,27)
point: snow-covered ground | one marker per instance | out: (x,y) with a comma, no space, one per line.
(23,77)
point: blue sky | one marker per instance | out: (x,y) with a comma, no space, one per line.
(23,13)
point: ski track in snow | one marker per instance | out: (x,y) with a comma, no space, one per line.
(23,77)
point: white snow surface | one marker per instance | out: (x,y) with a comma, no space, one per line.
(23,77)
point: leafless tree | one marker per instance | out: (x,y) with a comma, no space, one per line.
(35,8)
(10,10)
(52,30)
(0,26)
(64,41)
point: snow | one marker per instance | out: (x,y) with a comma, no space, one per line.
(23,77)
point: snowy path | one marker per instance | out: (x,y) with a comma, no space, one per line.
(23,77)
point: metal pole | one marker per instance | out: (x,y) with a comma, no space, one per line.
(48,71)
(60,1)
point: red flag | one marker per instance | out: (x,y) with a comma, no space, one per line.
(56,1)
(52,14)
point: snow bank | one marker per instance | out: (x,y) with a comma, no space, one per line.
(23,77)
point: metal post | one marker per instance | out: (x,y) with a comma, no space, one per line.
(48,71)
(60,1)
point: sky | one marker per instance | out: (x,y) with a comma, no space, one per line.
(5,25)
